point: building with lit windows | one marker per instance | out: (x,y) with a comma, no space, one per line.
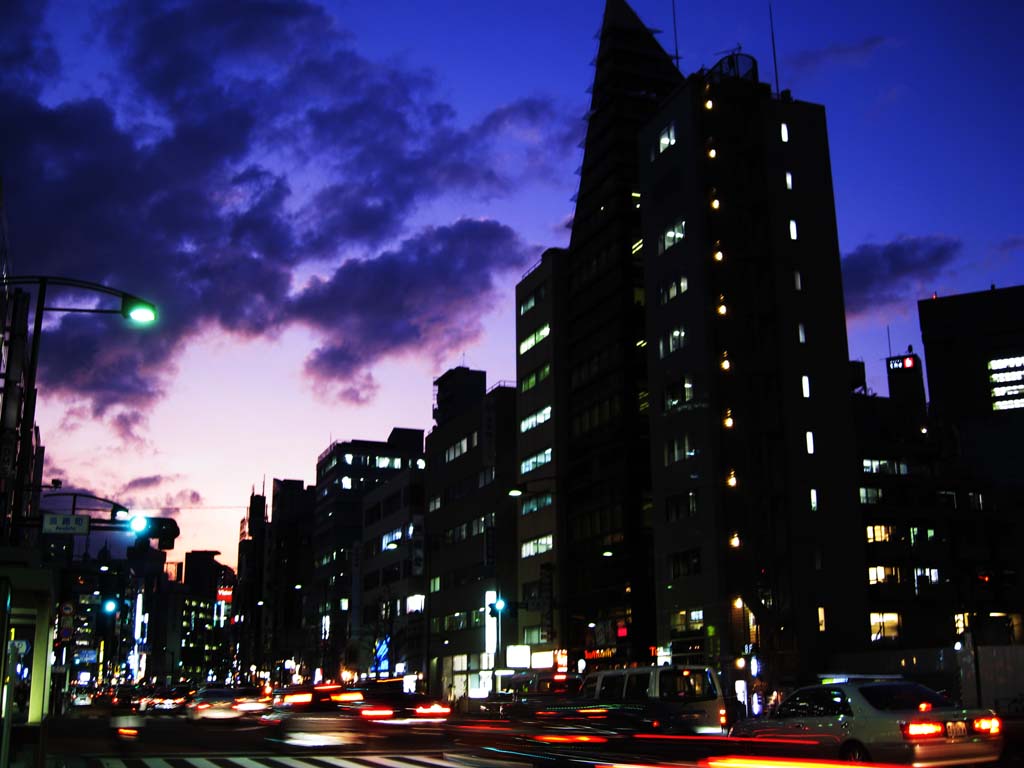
(691,346)
(974,349)
(345,471)
(390,631)
(751,433)
(287,565)
(471,554)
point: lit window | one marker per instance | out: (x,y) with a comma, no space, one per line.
(716,204)
(678,393)
(730,479)
(675,287)
(925,576)
(792,229)
(821,618)
(805,385)
(346,483)
(884,625)
(415,603)
(672,235)
(537,460)
(798,283)
(879,533)
(435,583)
(527,305)
(883,574)
(534,377)
(667,137)
(709,104)
(870,496)
(814,499)
(536,503)
(789,180)
(535,419)
(961,621)
(536,546)
(389,538)
(712,153)
(534,338)
(672,341)
(678,449)
(810,441)
(784,132)
(801,333)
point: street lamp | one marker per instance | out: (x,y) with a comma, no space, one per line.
(132,308)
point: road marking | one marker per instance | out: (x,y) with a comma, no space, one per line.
(340,762)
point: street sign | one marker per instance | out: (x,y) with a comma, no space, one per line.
(74,525)
(67,609)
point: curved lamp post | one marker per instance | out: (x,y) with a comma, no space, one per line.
(132,308)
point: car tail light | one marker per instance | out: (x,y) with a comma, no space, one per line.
(298,698)
(989,725)
(114,700)
(204,705)
(377,712)
(128,733)
(434,709)
(347,696)
(264,699)
(580,738)
(923,730)
(327,687)
(924,706)
(179,701)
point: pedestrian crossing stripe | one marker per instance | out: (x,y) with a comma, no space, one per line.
(277,761)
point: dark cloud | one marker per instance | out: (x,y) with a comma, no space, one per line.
(845,54)
(229,148)
(143,483)
(427,296)
(878,275)
(1011,244)
(27,55)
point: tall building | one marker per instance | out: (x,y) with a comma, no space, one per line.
(691,346)
(472,549)
(247,598)
(389,632)
(344,472)
(586,324)
(750,387)
(288,566)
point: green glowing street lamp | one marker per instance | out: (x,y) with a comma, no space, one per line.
(132,308)
(139,311)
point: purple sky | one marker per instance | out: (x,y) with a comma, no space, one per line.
(331,203)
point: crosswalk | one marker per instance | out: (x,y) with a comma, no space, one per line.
(279,761)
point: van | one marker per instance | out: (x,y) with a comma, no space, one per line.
(687,699)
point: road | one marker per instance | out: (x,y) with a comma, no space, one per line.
(170,742)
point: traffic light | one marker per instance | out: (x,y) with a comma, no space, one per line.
(164,529)
(495,609)
(110,605)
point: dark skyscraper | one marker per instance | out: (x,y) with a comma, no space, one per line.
(683,382)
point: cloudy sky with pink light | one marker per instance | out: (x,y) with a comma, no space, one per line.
(331,203)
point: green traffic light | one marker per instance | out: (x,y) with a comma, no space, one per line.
(109,606)
(499,605)
(138,524)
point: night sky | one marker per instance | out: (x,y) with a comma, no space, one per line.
(331,204)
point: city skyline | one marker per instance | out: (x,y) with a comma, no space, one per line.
(254,255)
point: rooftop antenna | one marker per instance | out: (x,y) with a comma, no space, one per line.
(775,58)
(675,34)
(888,339)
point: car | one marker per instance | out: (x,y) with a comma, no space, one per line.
(216,704)
(876,719)
(81,698)
(164,701)
(333,714)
